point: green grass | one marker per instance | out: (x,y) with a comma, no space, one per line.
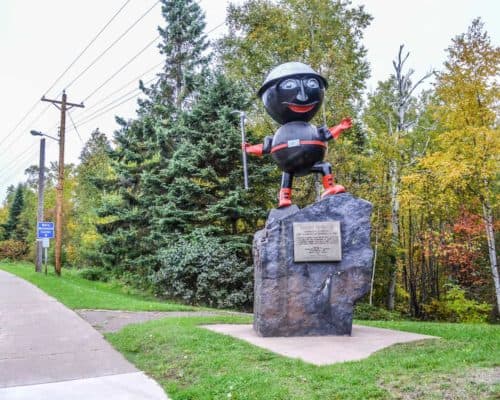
(78,293)
(193,363)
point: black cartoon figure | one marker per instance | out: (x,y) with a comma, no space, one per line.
(292,95)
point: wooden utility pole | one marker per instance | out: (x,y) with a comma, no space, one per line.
(62,105)
(41,186)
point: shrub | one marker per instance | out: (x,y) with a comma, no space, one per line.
(94,274)
(200,269)
(368,312)
(13,249)
(454,307)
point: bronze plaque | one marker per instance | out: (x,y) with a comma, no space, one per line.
(316,241)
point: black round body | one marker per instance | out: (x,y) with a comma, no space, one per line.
(297,146)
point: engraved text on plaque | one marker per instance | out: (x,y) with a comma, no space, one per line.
(317,241)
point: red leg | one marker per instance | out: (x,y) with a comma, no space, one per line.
(325,169)
(330,186)
(285,198)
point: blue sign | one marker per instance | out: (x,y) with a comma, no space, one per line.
(46,225)
(45,230)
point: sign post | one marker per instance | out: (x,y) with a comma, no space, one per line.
(45,232)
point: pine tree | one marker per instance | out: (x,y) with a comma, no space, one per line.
(184,47)
(15,210)
(203,219)
(202,183)
(93,170)
(144,145)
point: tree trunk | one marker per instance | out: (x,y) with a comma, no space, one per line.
(490,235)
(395,231)
(374,261)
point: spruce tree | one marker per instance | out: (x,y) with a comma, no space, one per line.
(143,149)
(15,210)
(184,47)
(94,169)
(202,214)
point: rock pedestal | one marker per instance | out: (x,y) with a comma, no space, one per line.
(311,298)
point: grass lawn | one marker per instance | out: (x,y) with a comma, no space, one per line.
(193,363)
(78,293)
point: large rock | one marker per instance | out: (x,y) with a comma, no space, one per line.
(311,298)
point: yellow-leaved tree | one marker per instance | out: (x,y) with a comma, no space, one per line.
(466,161)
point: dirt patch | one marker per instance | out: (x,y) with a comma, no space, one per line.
(112,321)
(471,384)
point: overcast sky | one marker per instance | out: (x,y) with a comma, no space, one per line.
(39,39)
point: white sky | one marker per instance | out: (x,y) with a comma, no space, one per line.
(39,39)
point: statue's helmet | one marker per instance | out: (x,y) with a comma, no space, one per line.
(292,91)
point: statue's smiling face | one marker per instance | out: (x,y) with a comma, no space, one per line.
(294,98)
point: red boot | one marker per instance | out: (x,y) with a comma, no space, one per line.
(285,197)
(331,187)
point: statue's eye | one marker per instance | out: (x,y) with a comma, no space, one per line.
(312,83)
(288,84)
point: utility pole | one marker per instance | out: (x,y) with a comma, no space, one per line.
(41,187)
(63,106)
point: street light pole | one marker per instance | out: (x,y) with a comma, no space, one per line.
(63,107)
(41,187)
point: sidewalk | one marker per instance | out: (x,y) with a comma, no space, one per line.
(49,352)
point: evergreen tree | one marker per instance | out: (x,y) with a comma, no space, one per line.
(201,185)
(203,219)
(93,170)
(11,226)
(124,217)
(142,148)
(183,46)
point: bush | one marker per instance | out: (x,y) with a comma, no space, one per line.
(368,312)
(200,269)
(454,307)
(94,274)
(13,249)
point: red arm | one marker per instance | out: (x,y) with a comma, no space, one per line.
(336,130)
(259,149)
(256,149)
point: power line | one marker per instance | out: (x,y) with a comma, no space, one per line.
(74,126)
(32,122)
(88,45)
(20,121)
(123,87)
(111,45)
(112,108)
(119,70)
(214,28)
(21,161)
(134,91)
(122,67)
(30,110)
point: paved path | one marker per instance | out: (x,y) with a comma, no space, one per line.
(49,352)
(113,321)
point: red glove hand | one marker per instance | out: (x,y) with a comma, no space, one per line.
(346,123)
(255,149)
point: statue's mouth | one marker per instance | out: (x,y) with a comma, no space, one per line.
(301,108)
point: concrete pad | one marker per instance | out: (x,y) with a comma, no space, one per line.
(323,350)
(133,386)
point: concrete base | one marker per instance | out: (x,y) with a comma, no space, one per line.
(323,350)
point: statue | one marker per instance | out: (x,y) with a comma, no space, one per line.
(292,94)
